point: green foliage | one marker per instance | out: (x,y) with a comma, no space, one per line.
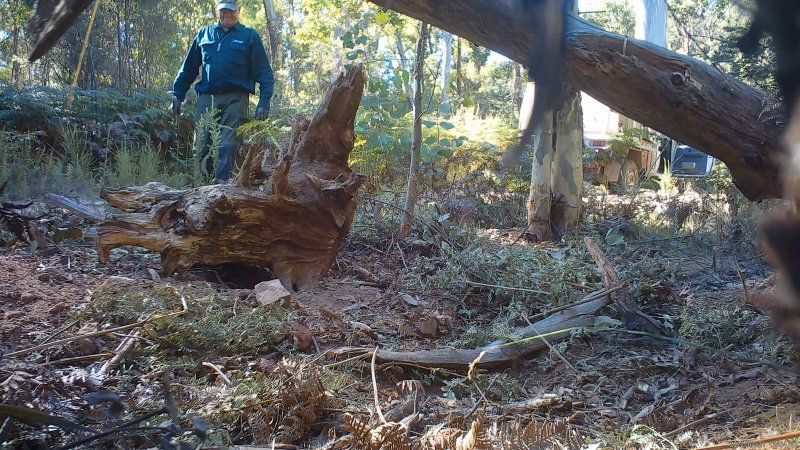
(546,274)
(499,387)
(727,326)
(614,237)
(106,139)
(709,30)
(78,160)
(667,183)
(208,326)
(632,138)
(617,16)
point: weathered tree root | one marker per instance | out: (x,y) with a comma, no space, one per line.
(293,224)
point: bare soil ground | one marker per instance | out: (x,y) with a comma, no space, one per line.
(614,388)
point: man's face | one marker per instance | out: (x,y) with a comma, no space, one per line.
(228,17)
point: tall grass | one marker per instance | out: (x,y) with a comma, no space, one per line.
(197,174)
(78,160)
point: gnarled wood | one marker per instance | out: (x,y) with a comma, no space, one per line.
(293,223)
(679,96)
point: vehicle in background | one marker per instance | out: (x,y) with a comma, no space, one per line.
(689,162)
(621,152)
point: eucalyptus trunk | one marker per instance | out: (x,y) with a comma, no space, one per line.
(568,164)
(540,197)
(274,30)
(401,53)
(15,70)
(416,141)
(458,66)
(444,106)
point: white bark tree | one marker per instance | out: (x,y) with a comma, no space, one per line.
(416,141)
(651,21)
(444,105)
(568,164)
(554,203)
(401,53)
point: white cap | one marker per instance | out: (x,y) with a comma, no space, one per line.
(228,5)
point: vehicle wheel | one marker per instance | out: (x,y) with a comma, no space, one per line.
(628,176)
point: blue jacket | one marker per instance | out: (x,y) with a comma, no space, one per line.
(230,62)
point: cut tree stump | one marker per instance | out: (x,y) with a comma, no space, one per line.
(290,218)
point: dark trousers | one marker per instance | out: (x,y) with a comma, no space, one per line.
(230,111)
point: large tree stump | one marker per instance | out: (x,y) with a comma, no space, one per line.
(292,222)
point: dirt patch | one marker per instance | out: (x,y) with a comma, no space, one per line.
(231,358)
(36,296)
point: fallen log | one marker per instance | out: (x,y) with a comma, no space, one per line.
(559,324)
(678,95)
(291,223)
(81,210)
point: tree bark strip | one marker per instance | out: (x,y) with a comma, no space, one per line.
(496,355)
(679,96)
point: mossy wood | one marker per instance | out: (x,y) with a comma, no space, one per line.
(290,218)
(680,96)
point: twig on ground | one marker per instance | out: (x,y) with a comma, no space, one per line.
(551,348)
(218,370)
(77,359)
(375,387)
(59,332)
(35,348)
(483,399)
(124,427)
(532,291)
(402,256)
(344,361)
(690,425)
(744,282)
(316,345)
(122,349)
(580,286)
(765,440)
(630,313)
(370,247)
(588,299)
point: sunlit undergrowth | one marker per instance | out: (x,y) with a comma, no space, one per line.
(726,326)
(213,323)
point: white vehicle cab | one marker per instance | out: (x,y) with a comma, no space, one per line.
(621,152)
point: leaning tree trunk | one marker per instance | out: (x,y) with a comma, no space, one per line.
(292,222)
(679,96)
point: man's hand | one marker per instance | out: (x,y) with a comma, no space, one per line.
(262,113)
(176,106)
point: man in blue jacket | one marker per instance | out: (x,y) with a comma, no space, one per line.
(230,59)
